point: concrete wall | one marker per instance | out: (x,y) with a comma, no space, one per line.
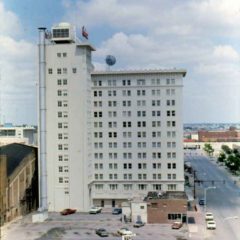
(139,212)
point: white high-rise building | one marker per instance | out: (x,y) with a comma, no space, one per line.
(110,135)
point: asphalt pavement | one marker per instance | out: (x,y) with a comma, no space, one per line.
(222,196)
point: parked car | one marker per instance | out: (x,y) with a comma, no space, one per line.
(201,202)
(95,210)
(138,224)
(124,231)
(117,211)
(68,211)
(102,232)
(177,225)
(211,225)
(209,216)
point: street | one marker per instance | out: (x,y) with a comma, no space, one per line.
(223,201)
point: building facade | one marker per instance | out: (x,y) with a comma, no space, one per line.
(18,134)
(111,135)
(18,181)
(137,134)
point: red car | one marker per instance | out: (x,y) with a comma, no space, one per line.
(68,211)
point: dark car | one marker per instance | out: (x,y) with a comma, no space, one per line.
(117,211)
(201,202)
(138,224)
(102,232)
(68,211)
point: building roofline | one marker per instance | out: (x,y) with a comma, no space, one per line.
(145,71)
(86,44)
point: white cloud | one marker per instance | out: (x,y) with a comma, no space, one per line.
(9,22)
(18,72)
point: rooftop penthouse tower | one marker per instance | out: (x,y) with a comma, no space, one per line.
(67,130)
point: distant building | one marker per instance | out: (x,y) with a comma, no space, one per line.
(18,180)
(231,135)
(18,134)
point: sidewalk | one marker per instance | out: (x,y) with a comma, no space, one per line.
(196,230)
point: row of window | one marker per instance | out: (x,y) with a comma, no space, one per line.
(130,165)
(130,187)
(154,134)
(129,155)
(139,82)
(98,145)
(125,124)
(128,103)
(125,113)
(140,176)
(128,93)
(61,70)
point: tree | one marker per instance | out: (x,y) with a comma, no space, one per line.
(222,157)
(226,149)
(208,149)
(233,163)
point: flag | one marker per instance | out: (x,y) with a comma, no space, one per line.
(84,33)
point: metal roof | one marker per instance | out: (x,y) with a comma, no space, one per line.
(15,153)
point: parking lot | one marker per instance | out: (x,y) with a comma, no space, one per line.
(83,226)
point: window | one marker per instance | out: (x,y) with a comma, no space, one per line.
(141,113)
(175,216)
(157,186)
(141,82)
(59,82)
(65,81)
(64,54)
(156,165)
(127,187)
(113,187)
(142,187)
(141,103)
(172,187)
(156,155)
(59,54)
(60,158)
(50,71)
(64,70)
(59,71)
(99,186)
(141,92)
(74,70)
(60,180)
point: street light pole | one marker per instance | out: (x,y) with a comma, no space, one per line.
(205,197)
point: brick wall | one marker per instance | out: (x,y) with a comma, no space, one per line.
(158,210)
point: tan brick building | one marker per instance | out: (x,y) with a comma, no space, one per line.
(231,135)
(18,180)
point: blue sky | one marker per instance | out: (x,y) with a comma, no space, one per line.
(201,36)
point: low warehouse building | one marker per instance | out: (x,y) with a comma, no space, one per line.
(167,207)
(18,181)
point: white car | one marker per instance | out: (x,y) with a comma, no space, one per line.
(211,225)
(95,210)
(208,216)
(124,231)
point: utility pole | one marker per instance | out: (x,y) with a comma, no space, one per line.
(194,187)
